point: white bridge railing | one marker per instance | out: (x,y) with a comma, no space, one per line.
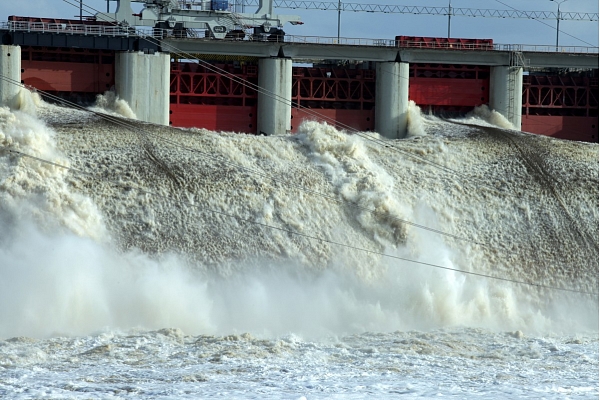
(80,29)
(114,30)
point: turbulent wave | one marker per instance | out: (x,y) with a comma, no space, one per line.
(109,103)
(220,233)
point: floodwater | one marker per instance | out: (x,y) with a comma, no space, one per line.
(148,262)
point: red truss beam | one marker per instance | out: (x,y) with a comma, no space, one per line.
(195,84)
(327,88)
(560,95)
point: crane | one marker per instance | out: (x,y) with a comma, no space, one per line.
(212,15)
(186,15)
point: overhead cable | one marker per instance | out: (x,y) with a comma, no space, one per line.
(427,10)
(300,234)
(148,149)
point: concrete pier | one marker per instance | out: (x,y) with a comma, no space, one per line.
(10,69)
(506,93)
(391,103)
(274,112)
(143,81)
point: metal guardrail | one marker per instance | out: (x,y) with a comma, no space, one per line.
(441,45)
(112,30)
(80,29)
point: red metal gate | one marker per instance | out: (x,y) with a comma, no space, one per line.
(203,97)
(563,106)
(344,98)
(67,71)
(449,88)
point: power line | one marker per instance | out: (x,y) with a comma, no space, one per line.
(556,16)
(148,148)
(310,111)
(367,136)
(427,10)
(300,234)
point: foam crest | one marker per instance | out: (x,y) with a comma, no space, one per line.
(416,127)
(484,114)
(357,179)
(26,101)
(32,188)
(110,103)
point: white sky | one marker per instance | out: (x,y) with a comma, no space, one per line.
(387,26)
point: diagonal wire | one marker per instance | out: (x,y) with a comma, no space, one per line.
(300,234)
(542,22)
(144,134)
(316,114)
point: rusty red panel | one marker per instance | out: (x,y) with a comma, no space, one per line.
(362,120)
(449,92)
(68,76)
(214,117)
(562,127)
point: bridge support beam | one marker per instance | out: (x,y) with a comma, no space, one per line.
(10,70)
(274,112)
(506,93)
(391,103)
(142,80)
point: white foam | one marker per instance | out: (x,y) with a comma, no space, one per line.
(26,101)
(483,115)
(416,126)
(33,188)
(109,103)
(59,275)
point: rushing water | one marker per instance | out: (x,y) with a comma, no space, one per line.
(147,261)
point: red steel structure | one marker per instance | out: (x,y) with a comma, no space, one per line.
(77,73)
(201,97)
(562,106)
(445,88)
(422,42)
(341,97)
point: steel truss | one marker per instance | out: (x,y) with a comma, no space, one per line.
(400,9)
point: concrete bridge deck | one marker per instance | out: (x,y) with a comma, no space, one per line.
(498,56)
(296,47)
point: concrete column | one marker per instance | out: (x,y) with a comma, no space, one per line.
(143,81)
(506,93)
(10,69)
(274,112)
(391,103)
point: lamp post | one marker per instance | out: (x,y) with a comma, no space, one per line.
(559,2)
(449,16)
(339,18)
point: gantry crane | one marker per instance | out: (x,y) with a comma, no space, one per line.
(214,16)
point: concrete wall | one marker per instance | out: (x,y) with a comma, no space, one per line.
(506,93)
(274,100)
(10,69)
(391,104)
(143,81)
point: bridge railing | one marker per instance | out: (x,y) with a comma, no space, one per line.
(113,30)
(80,29)
(439,45)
